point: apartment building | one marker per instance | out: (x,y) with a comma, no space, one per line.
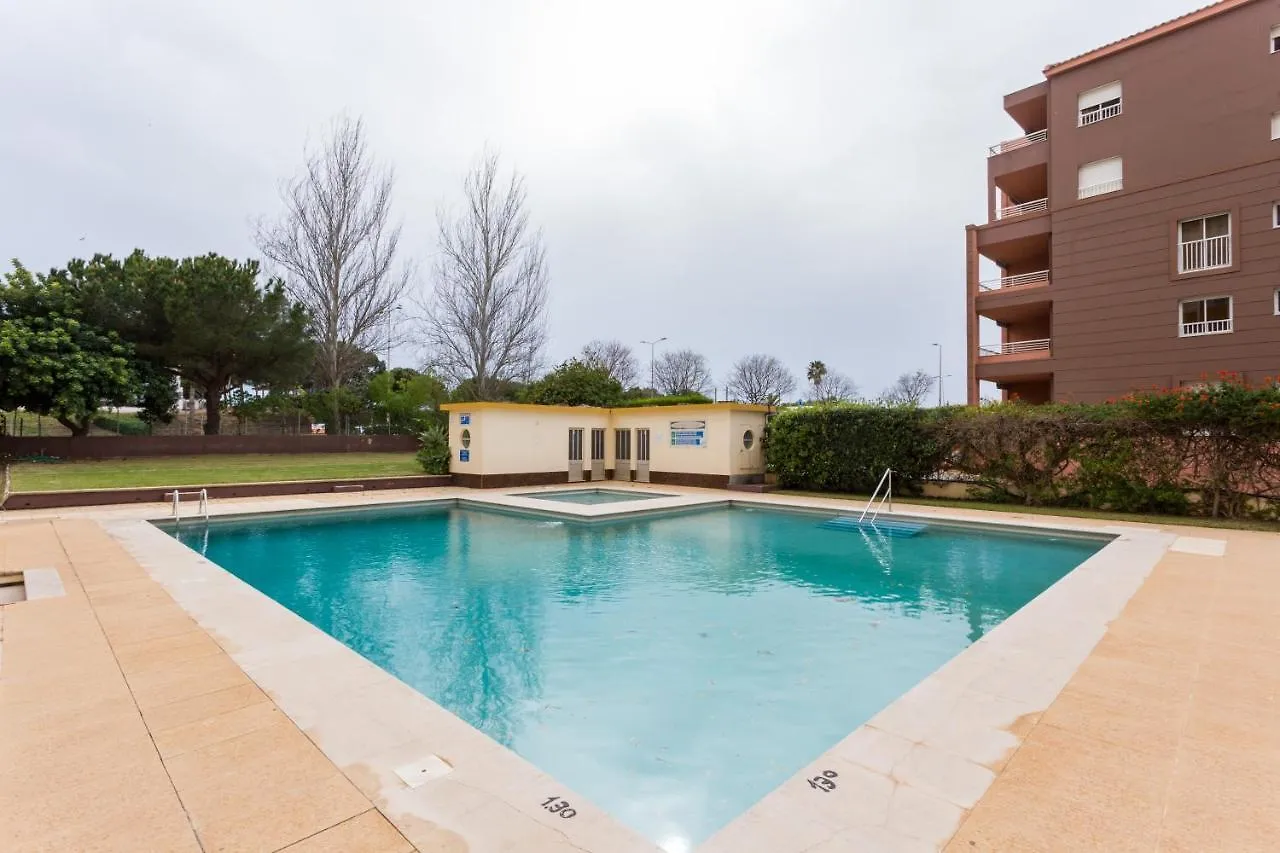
(1133,233)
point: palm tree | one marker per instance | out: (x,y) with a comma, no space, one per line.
(816,373)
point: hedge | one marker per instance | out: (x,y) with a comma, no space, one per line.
(1213,450)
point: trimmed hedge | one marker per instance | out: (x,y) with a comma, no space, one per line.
(1212,451)
(845,447)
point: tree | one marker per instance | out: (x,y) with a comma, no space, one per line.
(575,383)
(405,400)
(615,358)
(815,373)
(681,372)
(205,320)
(53,361)
(337,246)
(909,389)
(835,388)
(760,379)
(486,319)
(225,328)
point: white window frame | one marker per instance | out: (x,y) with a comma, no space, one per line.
(1206,248)
(1275,215)
(1102,110)
(1275,39)
(1275,126)
(1276,302)
(1230,321)
(1103,187)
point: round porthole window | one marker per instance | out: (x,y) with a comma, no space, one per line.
(466,438)
(748,439)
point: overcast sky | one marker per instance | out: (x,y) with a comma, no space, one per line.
(738,176)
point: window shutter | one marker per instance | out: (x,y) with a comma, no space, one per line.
(1094,176)
(1100,95)
(1275,125)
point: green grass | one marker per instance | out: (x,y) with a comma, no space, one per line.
(208,470)
(1168,520)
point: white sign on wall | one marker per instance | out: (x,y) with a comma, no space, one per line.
(688,433)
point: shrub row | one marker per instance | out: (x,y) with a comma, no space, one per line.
(1213,450)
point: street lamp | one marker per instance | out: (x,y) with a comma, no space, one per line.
(391,314)
(939,346)
(652,344)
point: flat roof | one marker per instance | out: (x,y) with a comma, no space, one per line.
(736,407)
(1170,26)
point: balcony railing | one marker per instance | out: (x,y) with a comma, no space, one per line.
(1206,327)
(1089,115)
(1015,347)
(1008,281)
(1040,205)
(1020,142)
(1102,188)
(1206,254)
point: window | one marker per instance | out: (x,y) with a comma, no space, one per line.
(575,445)
(1275,215)
(622,444)
(597,444)
(1100,103)
(642,445)
(748,439)
(1275,125)
(1205,316)
(1204,243)
(1102,176)
(466,438)
(1275,39)
(1276,302)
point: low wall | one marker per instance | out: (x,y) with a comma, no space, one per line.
(161,494)
(131,446)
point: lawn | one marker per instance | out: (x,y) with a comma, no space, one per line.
(1193,521)
(208,470)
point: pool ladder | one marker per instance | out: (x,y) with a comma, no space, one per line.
(886,483)
(204,502)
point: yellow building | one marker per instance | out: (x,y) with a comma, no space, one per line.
(510,444)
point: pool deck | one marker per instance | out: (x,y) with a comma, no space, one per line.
(151,701)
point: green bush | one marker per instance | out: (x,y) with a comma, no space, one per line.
(845,447)
(121,424)
(433,450)
(672,400)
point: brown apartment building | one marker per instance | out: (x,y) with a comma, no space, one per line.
(1134,228)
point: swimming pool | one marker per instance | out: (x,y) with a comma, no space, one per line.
(590,496)
(672,668)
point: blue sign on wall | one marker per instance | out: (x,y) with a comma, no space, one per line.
(464,455)
(464,419)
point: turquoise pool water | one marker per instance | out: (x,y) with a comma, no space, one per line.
(673,669)
(591,496)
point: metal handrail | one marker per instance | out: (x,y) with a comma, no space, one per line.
(886,477)
(1021,280)
(1038,206)
(203,506)
(1020,142)
(1014,347)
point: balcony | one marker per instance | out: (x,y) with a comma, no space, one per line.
(1102,188)
(1016,144)
(1207,327)
(1026,208)
(1100,112)
(1205,254)
(1008,282)
(1034,348)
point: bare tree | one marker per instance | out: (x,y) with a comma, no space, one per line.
(486,320)
(909,389)
(760,379)
(681,371)
(615,358)
(834,387)
(337,245)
